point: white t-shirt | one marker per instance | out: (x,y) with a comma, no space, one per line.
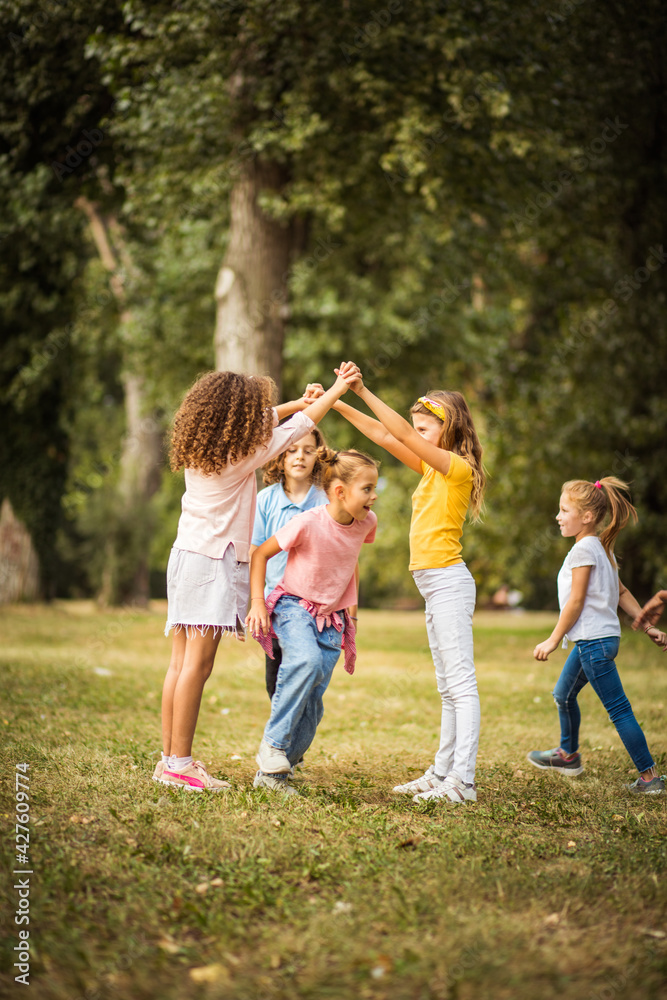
(598,617)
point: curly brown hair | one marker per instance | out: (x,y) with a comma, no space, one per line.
(459,435)
(274,471)
(224,418)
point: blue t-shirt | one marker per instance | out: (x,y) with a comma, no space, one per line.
(274,509)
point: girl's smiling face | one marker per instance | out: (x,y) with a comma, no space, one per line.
(356,498)
(572,522)
(429,427)
(300,459)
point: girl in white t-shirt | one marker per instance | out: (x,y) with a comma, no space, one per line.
(224,430)
(308,609)
(589,592)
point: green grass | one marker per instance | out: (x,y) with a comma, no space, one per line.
(545,888)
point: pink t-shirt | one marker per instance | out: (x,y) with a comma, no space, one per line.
(219,509)
(322,557)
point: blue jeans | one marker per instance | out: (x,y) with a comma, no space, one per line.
(592,660)
(309,658)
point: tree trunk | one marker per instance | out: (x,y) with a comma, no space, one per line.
(126,576)
(19,574)
(251,290)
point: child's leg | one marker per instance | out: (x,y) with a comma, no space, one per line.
(597,658)
(300,670)
(173,671)
(329,641)
(271,667)
(572,679)
(450,602)
(197,663)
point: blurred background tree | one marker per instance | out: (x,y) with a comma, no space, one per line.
(467,196)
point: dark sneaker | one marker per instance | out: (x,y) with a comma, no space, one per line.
(655,786)
(555,760)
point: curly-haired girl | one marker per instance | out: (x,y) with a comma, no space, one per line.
(293,480)
(443,447)
(225,429)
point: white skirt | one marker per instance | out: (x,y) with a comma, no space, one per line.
(207,593)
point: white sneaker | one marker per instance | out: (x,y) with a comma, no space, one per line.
(452,789)
(427,781)
(274,783)
(271,760)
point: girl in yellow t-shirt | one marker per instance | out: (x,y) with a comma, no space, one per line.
(442,445)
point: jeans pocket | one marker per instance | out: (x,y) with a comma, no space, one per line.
(199,569)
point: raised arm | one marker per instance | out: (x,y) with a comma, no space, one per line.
(399,428)
(317,408)
(376,432)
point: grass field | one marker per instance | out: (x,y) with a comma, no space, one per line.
(545,888)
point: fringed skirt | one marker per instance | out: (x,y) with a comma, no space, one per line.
(205,593)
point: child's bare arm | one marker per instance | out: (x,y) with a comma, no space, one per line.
(258,619)
(569,614)
(378,433)
(632,608)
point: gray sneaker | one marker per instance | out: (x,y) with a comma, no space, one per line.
(554,760)
(427,781)
(274,783)
(270,760)
(655,786)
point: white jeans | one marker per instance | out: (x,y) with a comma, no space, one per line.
(450,601)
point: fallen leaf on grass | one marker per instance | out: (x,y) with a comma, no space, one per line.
(202,888)
(341,907)
(571,843)
(217,882)
(383,965)
(552,919)
(654,934)
(209,973)
(75,818)
(412,841)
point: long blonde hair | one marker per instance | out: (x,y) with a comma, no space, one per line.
(603,498)
(459,435)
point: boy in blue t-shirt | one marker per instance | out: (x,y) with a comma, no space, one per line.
(292,481)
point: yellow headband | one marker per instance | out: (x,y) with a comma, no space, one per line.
(437,409)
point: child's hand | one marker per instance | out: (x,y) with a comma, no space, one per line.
(658,637)
(258,619)
(352,375)
(650,613)
(542,650)
(313,391)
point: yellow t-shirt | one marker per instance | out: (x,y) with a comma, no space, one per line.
(439,506)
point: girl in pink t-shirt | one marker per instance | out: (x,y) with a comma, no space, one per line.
(224,430)
(307,611)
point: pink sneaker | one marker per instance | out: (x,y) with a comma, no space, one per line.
(194,777)
(159,771)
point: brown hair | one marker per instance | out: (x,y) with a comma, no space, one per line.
(224,418)
(343,465)
(601,499)
(459,435)
(274,471)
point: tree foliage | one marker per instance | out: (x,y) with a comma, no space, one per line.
(475,194)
